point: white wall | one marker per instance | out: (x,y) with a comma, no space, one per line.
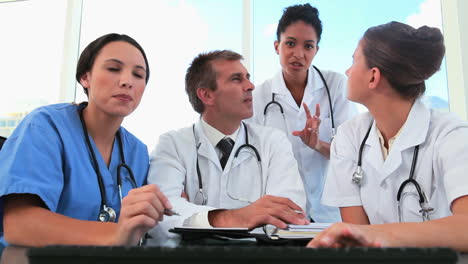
(456,40)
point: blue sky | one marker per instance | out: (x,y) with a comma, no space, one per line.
(344,22)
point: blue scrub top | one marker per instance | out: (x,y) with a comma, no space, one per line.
(47,156)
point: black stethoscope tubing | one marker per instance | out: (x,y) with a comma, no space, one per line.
(425,208)
(245,145)
(273,101)
(411,179)
(104,207)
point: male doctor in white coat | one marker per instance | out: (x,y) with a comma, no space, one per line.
(252,186)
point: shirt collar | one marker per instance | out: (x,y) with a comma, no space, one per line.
(314,82)
(214,135)
(385,151)
(416,127)
(413,131)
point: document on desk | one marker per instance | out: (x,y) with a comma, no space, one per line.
(301,231)
(291,232)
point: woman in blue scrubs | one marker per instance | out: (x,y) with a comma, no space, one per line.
(70,173)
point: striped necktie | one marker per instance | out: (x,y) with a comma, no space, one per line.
(225,145)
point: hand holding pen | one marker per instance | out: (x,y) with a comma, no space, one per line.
(170,212)
(141,210)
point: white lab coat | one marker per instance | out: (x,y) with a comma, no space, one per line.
(173,169)
(441,168)
(312,165)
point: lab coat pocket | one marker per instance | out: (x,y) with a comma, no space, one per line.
(409,210)
(244,180)
(274,118)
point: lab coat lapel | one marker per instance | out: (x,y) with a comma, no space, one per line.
(314,84)
(205,149)
(282,93)
(414,133)
(373,154)
(240,140)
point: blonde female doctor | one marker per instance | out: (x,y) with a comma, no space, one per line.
(284,101)
(401,167)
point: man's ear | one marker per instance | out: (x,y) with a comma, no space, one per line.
(375,78)
(206,96)
(276,44)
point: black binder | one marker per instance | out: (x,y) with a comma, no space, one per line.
(259,235)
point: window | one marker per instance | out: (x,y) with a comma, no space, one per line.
(344,22)
(36,67)
(172,34)
(31,57)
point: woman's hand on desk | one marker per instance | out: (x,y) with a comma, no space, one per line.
(350,235)
(273,210)
(141,210)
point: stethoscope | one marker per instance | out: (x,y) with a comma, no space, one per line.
(107,213)
(423,201)
(201,197)
(274,102)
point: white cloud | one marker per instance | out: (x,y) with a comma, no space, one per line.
(429,14)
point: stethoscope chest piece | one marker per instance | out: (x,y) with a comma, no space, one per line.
(357,176)
(200,197)
(107,214)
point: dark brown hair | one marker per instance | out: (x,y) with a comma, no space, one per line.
(201,74)
(405,56)
(305,13)
(89,54)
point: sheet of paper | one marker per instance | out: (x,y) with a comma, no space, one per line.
(213,228)
(311,226)
(302,231)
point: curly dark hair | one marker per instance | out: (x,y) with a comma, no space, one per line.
(295,13)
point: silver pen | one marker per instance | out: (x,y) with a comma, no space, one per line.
(170,212)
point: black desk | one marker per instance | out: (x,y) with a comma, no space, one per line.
(18,255)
